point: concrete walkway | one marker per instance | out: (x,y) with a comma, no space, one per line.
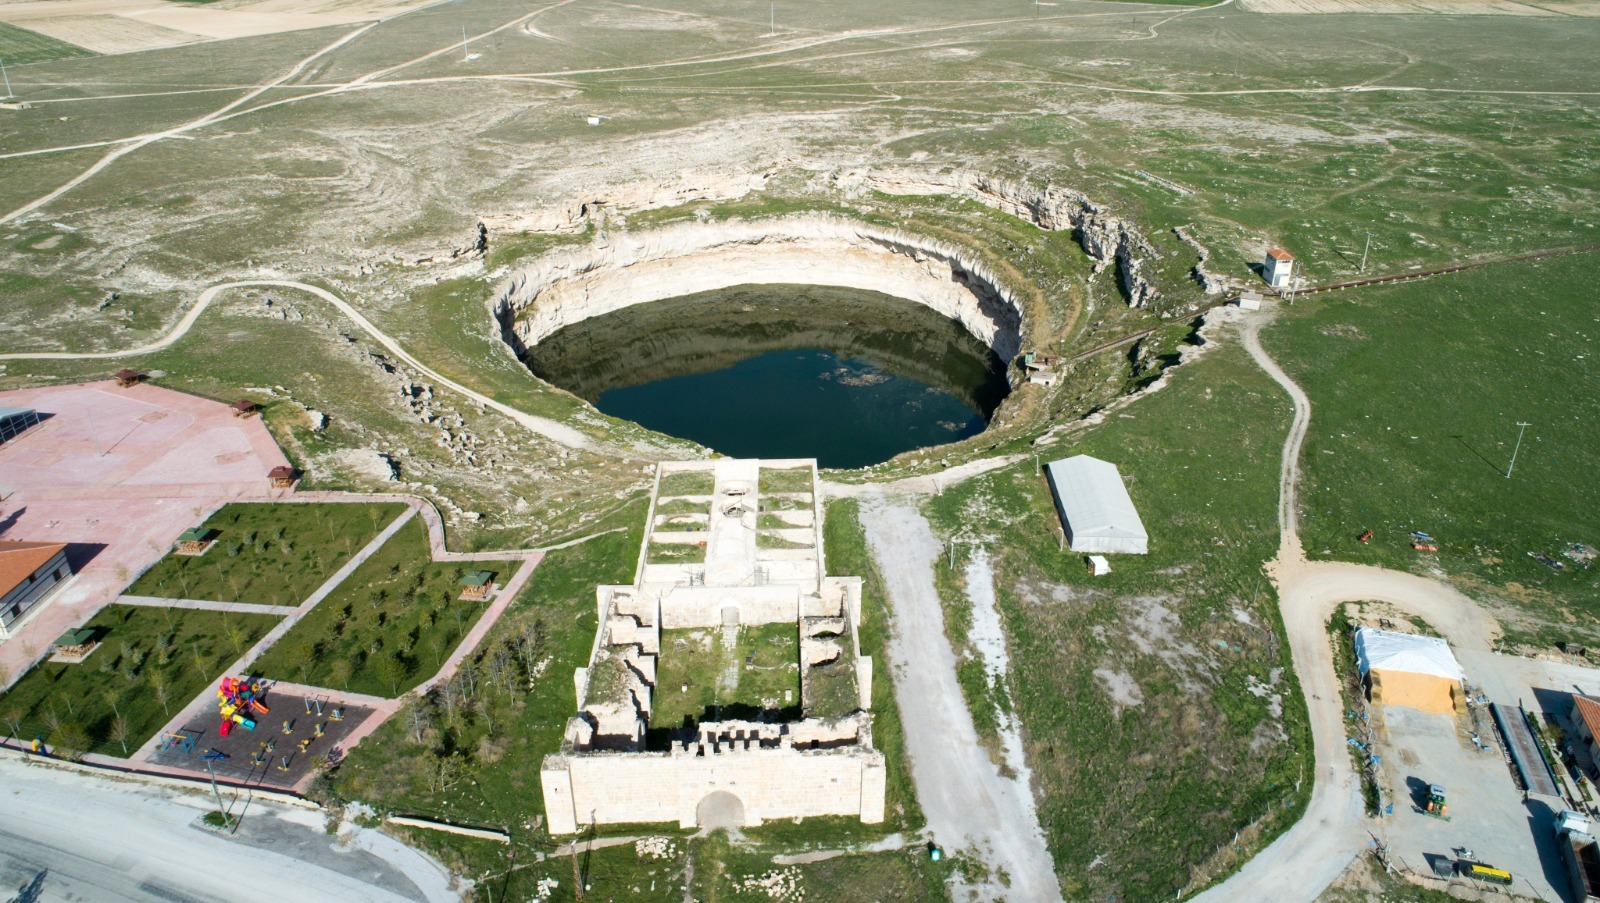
(970,807)
(248,608)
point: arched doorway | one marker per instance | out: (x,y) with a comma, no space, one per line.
(720,809)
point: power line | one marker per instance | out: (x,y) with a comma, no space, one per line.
(1524,428)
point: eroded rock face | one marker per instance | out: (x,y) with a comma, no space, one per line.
(567,286)
(1109,240)
(1105,238)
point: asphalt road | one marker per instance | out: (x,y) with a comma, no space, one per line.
(70,837)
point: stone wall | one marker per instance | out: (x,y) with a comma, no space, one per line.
(622,788)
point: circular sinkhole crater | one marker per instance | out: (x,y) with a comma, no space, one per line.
(847,376)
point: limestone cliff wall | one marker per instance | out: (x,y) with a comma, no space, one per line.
(571,285)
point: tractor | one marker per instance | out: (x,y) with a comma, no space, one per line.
(1436,802)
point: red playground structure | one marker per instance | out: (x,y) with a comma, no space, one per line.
(239,698)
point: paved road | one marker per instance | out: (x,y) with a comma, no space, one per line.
(969,806)
(140,845)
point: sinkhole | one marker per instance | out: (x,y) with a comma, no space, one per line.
(846,375)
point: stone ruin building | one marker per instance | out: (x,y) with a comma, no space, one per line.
(726,686)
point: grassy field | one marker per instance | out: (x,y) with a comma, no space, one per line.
(1417,390)
(18,46)
(1159,710)
(151,662)
(764,661)
(389,626)
(268,554)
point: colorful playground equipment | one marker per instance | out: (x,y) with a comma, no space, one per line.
(239,698)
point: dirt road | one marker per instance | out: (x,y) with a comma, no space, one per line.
(969,806)
(1333,831)
(550,429)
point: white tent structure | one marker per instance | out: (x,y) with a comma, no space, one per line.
(1409,670)
(1095,509)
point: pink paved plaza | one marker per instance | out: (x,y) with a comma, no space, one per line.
(118,473)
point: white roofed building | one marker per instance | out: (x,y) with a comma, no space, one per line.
(1405,669)
(1096,512)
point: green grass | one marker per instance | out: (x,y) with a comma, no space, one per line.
(768,521)
(676,553)
(781,503)
(18,46)
(268,554)
(1157,789)
(390,625)
(765,660)
(831,690)
(685,525)
(767,539)
(142,649)
(792,479)
(681,506)
(1416,393)
(847,556)
(687,482)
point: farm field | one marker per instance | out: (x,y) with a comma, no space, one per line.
(1417,392)
(150,664)
(389,625)
(269,554)
(19,46)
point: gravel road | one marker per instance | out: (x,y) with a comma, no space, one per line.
(969,806)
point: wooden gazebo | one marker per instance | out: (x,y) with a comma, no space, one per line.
(282,476)
(126,377)
(75,643)
(195,540)
(244,407)
(478,586)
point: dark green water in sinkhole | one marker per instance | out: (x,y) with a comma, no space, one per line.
(846,376)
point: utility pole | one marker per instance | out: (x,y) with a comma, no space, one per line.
(7,78)
(772,24)
(465,56)
(1364,252)
(214,789)
(89,415)
(1523,429)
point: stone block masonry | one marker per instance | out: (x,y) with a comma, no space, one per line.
(614,767)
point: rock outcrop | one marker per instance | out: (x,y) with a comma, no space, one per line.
(1110,241)
(1107,239)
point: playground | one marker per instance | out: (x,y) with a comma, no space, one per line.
(272,739)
